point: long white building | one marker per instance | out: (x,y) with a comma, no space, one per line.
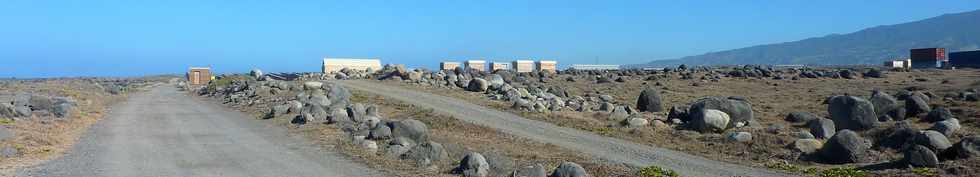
(331,65)
(594,67)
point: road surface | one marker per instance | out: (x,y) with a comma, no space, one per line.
(164,132)
(599,146)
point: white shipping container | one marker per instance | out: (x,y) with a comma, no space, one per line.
(331,65)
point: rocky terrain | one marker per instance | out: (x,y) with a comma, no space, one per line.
(809,121)
(395,137)
(41,119)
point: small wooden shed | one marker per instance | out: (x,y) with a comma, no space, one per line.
(198,75)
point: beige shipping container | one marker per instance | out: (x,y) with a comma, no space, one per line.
(448,65)
(331,65)
(523,66)
(494,66)
(547,65)
(479,65)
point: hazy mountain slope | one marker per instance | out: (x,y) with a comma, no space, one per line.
(955,32)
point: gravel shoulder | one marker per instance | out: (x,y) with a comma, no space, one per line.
(611,149)
(164,132)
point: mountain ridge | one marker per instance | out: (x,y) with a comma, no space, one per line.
(953,31)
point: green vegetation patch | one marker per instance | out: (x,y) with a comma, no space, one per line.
(925,171)
(655,171)
(843,172)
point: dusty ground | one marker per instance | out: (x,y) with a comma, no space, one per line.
(772,100)
(164,132)
(42,138)
(505,152)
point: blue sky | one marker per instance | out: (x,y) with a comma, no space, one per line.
(41,38)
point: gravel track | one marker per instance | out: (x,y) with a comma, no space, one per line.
(165,132)
(607,148)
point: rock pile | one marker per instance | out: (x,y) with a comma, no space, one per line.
(27,105)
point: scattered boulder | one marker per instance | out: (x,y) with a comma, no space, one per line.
(9,152)
(901,134)
(256,73)
(536,170)
(637,122)
(7,110)
(971,96)
(679,112)
(939,114)
(740,136)
(41,102)
(649,101)
(932,140)
(300,119)
(897,114)
(380,133)
(277,111)
(396,150)
(739,110)
(410,128)
(339,96)
(426,153)
(915,105)
(921,156)
(478,85)
(5,133)
(372,121)
(845,146)
(847,74)
(356,112)
(497,80)
(800,117)
(968,147)
(874,73)
(62,110)
(711,120)
(336,116)
(320,100)
(850,112)
(569,169)
(807,146)
(473,165)
(312,85)
(822,128)
(619,113)
(946,127)
(883,103)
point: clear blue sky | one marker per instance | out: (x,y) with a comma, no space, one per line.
(40,38)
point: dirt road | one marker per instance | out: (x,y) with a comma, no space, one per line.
(603,147)
(164,132)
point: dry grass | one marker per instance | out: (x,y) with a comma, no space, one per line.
(772,100)
(43,138)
